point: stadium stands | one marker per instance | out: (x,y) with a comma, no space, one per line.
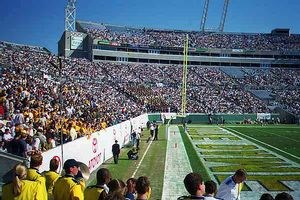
(234,72)
(171,38)
(97,95)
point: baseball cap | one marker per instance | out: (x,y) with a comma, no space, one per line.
(70,163)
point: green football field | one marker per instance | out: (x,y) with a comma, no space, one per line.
(286,138)
(283,140)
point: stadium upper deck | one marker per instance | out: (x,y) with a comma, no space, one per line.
(175,38)
(98,42)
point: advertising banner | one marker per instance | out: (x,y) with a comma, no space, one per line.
(77,42)
(95,150)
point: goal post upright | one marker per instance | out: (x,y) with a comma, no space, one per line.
(184,76)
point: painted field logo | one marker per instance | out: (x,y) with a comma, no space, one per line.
(94,145)
(223,152)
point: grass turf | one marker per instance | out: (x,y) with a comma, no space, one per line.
(194,158)
(238,153)
(152,166)
(270,182)
(270,166)
(286,138)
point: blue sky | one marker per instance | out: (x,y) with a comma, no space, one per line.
(41,22)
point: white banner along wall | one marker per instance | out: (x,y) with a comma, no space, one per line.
(95,150)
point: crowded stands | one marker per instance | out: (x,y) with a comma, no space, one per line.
(171,38)
(97,95)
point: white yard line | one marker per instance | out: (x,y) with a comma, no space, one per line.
(246,136)
(138,166)
(278,135)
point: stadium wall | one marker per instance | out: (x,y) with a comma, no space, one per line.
(112,55)
(96,149)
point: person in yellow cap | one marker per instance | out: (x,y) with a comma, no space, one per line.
(68,187)
(51,175)
(20,188)
(94,191)
(33,174)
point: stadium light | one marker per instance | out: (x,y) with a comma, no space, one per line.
(59,68)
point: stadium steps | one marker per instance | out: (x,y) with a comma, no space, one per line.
(233,72)
(263,94)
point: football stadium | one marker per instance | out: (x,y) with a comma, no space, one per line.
(122,112)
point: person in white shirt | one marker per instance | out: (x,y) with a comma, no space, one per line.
(138,137)
(230,188)
(7,137)
(152,128)
(73,133)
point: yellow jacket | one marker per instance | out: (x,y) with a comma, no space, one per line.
(29,190)
(34,175)
(51,177)
(67,188)
(93,192)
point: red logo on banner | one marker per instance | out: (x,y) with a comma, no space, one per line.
(59,161)
(94,145)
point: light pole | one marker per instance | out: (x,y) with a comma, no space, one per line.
(60,105)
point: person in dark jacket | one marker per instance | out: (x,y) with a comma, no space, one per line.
(133,154)
(116,151)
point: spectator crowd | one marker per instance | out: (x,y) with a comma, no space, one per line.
(28,183)
(170,38)
(36,105)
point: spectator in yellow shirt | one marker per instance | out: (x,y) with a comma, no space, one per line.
(20,188)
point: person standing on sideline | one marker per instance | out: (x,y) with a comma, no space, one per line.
(116,151)
(230,188)
(156,131)
(152,128)
(68,187)
(133,138)
(138,137)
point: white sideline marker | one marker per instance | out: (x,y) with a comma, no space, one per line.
(137,168)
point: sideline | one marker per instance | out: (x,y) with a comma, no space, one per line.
(137,168)
(246,136)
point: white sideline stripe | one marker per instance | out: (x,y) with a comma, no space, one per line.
(279,135)
(168,136)
(137,168)
(264,143)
